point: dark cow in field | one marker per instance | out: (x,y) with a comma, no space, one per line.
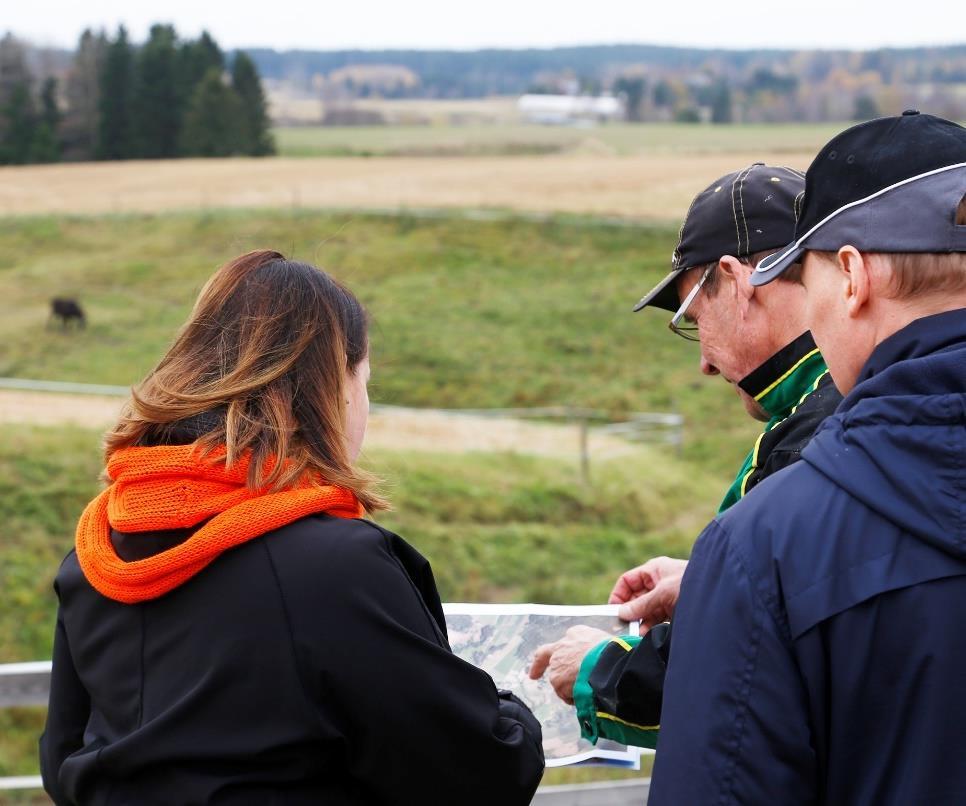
(67,310)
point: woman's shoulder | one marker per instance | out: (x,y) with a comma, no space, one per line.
(331,537)
(324,563)
(345,548)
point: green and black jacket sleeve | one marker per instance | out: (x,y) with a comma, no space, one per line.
(620,686)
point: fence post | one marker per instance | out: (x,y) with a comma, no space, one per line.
(584,450)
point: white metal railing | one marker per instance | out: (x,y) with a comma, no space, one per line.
(24,683)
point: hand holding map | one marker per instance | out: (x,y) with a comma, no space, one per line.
(503,640)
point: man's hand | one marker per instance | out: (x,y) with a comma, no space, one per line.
(563,659)
(649,592)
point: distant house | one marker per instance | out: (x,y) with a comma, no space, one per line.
(562,110)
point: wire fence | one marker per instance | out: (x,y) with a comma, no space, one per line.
(640,427)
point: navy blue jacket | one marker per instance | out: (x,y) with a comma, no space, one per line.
(820,636)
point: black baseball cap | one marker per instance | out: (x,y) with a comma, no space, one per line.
(748,211)
(887,185)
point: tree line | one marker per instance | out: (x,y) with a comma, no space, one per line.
(659,83)
(117,100)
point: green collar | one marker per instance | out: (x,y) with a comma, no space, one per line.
(779,384)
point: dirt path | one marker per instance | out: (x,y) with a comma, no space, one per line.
(655,186)
(389,429)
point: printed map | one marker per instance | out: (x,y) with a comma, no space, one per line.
(501,639)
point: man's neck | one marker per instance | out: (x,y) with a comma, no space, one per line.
(895,314)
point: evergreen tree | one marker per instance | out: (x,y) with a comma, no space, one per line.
(865,108)
(81,124)
(246,83)
(46,140)
(196,60)
(663,94)
(633,88)
(720,102)
(214,124)
(17,114)
(20,124)
(13,67)
(158,98)
(116,130)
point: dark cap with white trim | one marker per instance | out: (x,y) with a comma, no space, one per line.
(888,185)
(745,212)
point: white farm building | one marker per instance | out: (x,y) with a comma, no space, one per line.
(569,109)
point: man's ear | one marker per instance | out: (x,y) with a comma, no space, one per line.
(855,279)
(740,274)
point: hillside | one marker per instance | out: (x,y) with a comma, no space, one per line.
(468,314)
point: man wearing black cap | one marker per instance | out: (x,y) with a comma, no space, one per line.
(757,340)
(818,653)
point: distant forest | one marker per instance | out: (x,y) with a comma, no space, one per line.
(658,83)
(112,99)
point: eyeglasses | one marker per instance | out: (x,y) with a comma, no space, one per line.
(689,331)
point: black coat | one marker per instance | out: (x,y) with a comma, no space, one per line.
(310,665)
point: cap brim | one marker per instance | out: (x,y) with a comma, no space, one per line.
(664,295)
(771,267)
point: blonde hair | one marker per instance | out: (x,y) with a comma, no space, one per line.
(262,362)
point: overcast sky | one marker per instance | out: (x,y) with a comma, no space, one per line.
(458,24)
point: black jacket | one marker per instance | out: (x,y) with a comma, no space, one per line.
(783,445)
(625,682)
(310,665)
(794,388)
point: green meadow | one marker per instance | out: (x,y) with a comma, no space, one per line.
(496,527)
(518,138)
(467,314)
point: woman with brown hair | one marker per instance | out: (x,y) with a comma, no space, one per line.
(230,630)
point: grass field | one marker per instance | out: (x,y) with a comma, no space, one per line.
(497,527)
(640,172)
(666,139)
(652,187)
(467,314)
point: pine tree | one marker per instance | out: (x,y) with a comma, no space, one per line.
(158,99)
(13,67)
(46,140)
(214,124)
(196,59)
(20,125)
(721,102)
(17,114)
(865,108)
(81,124)
(248,86)
(116,128)
(633,88)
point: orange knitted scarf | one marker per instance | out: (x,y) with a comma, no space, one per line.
(173,487)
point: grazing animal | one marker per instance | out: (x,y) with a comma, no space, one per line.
(67,310)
